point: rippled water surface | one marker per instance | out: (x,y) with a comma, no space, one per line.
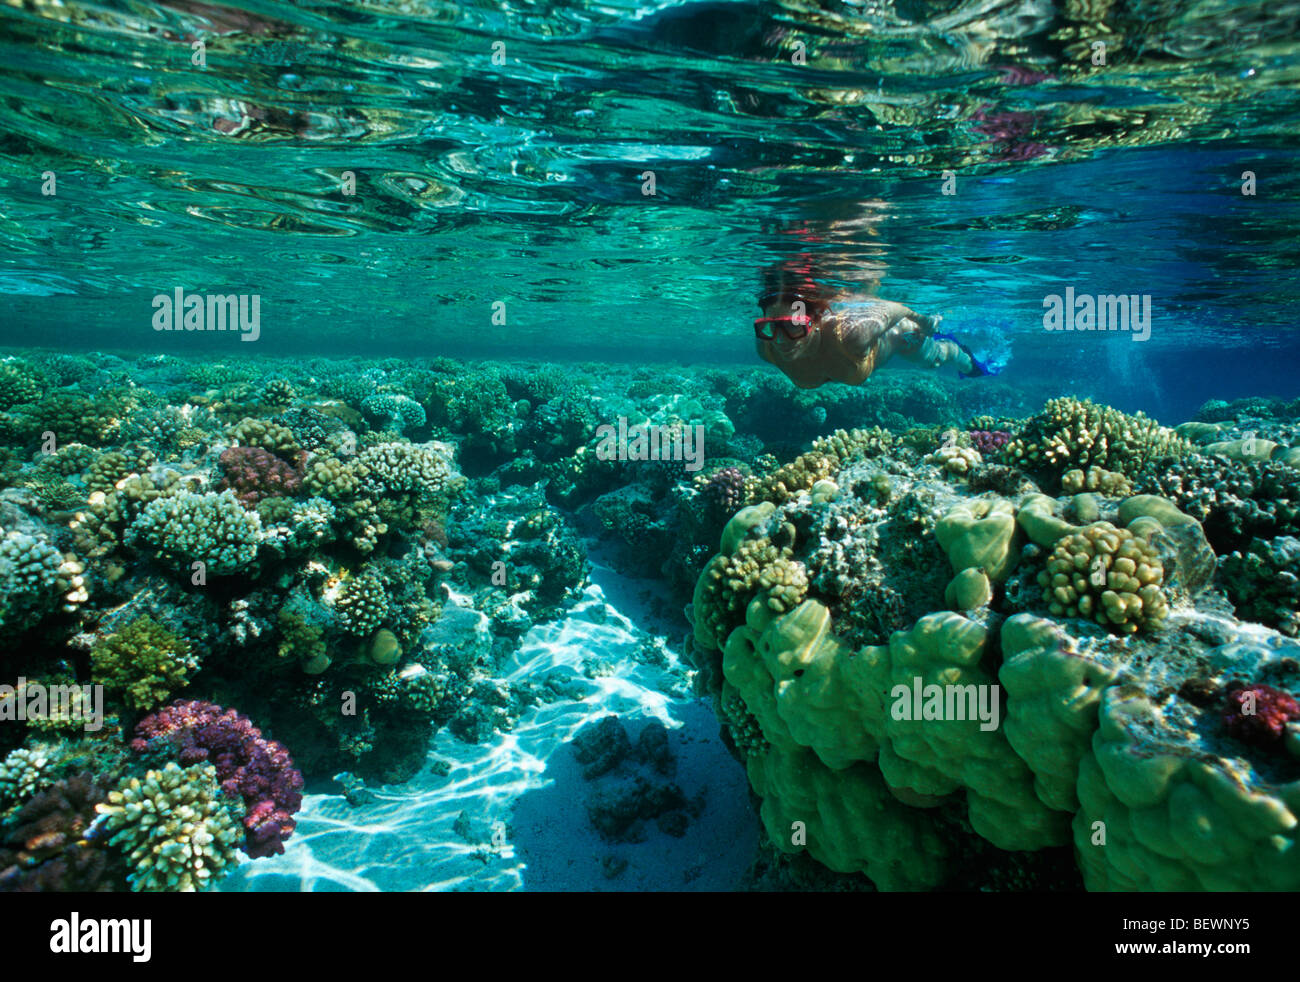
(501,154)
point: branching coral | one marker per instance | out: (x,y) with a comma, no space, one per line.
(723,491)
(1234,500)
(1070,433)
(179,831)
(19,383)
(362,604)
(144,660)
(253,474)
(277,439)
(790,480)
(35,578)
(1264,582)
(22,773)
(1258,714)
(756,570)
(210,527)
(397,412)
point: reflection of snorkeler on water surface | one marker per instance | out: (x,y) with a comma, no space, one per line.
(815,335)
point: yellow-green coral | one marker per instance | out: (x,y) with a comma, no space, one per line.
(980,532)
(1097,479)
(110,467)
(302,642)
(813,773)
(1107,575)
(1052,696)
(145,661)
(788,481)
(250,432)
(846,446)
(827,712)
(330,478)
(1158,813)
(1070,433)
(729,583)
(936,758)
(180,832)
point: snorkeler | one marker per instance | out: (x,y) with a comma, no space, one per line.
(815,338)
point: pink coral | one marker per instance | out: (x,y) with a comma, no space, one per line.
(258,770)
(1258,714)
(989,442)
(255,474)
(724,490)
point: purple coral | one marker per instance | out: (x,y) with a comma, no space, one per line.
(258,770)
(989,442)
(254,474)
(46,847)
(1258,714)
(724,490)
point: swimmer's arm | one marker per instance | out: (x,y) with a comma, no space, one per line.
(860,331)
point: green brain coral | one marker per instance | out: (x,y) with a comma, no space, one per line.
(180,832)
(144,660)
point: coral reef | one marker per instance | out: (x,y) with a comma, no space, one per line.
(852,738)
(386,534)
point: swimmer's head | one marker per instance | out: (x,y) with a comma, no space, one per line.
(789,335)
(793,304)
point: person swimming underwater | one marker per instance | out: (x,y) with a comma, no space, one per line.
(815,337)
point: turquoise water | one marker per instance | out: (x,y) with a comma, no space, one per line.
(518,182)
(477,233)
